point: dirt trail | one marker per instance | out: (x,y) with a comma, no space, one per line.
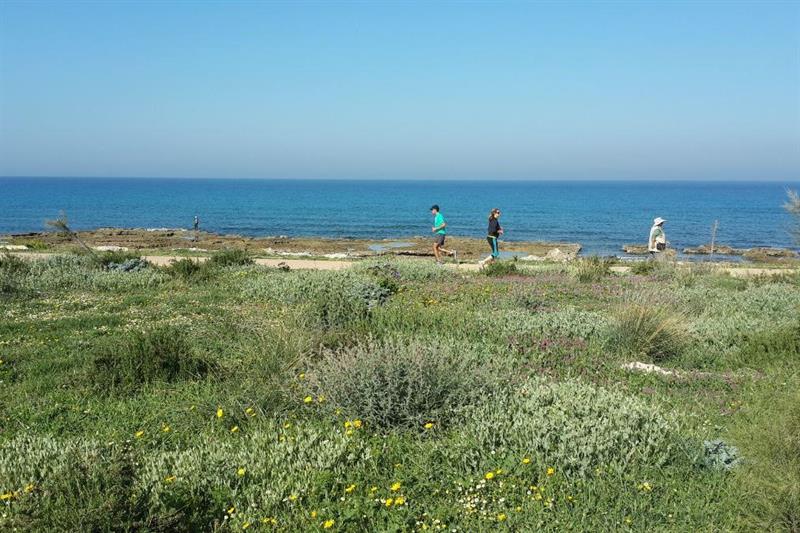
(318,264)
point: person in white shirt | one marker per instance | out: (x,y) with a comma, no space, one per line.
(658,239)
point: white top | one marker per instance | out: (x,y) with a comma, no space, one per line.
(657,236)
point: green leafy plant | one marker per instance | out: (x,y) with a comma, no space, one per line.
(233,257)
(592,269)
(643,268)
(160,355)
(190,270)
(500,268)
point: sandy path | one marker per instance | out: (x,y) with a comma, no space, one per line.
(316,264)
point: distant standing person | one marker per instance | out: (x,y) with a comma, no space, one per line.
(196,222)
(439,232)
(492,235)
(658,239)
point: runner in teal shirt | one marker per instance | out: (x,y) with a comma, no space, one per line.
(439,230)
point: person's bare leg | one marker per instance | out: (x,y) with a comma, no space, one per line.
(436,253)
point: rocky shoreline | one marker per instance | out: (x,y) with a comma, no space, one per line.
(758,254)
(188,242)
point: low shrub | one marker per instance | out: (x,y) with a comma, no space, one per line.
(111,259)
(232,257)
(190,270)
(401,383)
(129,265)
(642,327)
(160,355)
(77,485)
(570,425)
(13,265)
(774,345)
(331,299)
(643,268)
(81,485)
(592,269)
(407,269)
(565,323)
(500,268)
(768,433)
(12,270)
(386,275)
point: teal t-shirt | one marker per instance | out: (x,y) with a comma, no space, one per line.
(438,221)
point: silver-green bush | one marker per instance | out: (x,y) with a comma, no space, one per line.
(402,383)
(569,425)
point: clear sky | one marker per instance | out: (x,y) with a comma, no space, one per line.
(514,90)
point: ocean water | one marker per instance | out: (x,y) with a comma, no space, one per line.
(601,216)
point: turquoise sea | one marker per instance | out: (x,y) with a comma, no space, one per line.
(602,216)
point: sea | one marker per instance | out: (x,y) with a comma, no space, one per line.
(600,215)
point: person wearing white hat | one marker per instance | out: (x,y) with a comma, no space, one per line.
(658,239)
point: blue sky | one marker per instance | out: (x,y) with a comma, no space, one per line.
(429,90)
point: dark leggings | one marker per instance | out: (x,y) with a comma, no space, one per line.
(493,243)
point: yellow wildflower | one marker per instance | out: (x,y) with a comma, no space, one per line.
(395,486)
(250,412)
(501,517)
(646,487)
(287,425)
(526,460)
(139,434)
(170,479)
(301,375)
(429,425)
(348,432)
(6,496)
(165,428)
(292,497)
(245,525)
(499,471)
(308,399)
(220,413)
(489,475)
(347,423)
(373,489)
(518,509)
(269,520)
(313,514)
(356,424)
(350,489)
(400,500)
(551,471)
(234,429)
(29,488)
(328,523)
(231,510)
(389,502)
(242,471)
(321,399)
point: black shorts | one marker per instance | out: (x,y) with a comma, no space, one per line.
(438,239)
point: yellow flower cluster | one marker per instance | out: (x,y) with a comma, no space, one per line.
(350,426)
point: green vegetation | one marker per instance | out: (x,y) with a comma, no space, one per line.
(395,396)
(592,269)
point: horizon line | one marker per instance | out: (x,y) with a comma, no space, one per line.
(415,179)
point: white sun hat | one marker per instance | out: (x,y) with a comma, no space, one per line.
(658,221)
